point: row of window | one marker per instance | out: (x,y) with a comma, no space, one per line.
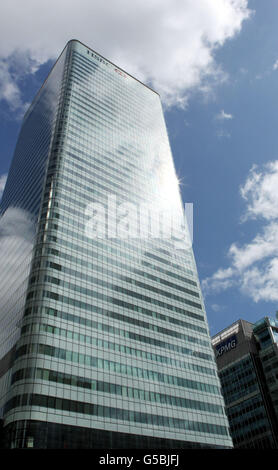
(187,257)
(240,390)
(69,163)
(49,402)
(237,376)
(118,88)
(132,307)
(57,203)
(156,302)
(124,267)
(102,157)
(126,161)
(101,343)
(123,243)
(239,381)
(240,366)
(264,339)
(92,99)
(121,290)
(244,408)
(86,131)
(114,389)
(104,147)
(145,234)
(92,118)
(127,244)
(128,334)
(91,121)
(144,311)
(248,422)
(135,321)
(249,436)
(122,151)
(145,286)
(120,190)
(109,187)
(136,295)
(113,366)
(118,316)
(91,106)
(85,140)
(268,356)
(89,193)
(129,141)
(250,425)
(84,68)
(129,191)
(88,167)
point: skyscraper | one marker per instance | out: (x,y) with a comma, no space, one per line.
(246,356)
(105,341)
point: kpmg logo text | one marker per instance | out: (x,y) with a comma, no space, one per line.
(226,346)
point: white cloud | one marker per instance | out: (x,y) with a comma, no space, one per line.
(3,179)
(220,280)
(260,192)
(222,116)
(217,307)
(275,65)
(254,265)
(9,90)
(16,244)
(168,43)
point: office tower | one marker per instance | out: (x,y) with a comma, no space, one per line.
(266,334)
(246,356)
(105,339)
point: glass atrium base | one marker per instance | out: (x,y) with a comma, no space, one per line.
(43,435)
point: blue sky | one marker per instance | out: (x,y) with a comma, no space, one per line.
(216,70)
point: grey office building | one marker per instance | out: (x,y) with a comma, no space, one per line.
(104,337)
(247,360)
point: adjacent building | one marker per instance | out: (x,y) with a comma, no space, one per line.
(104,337)
(247,360)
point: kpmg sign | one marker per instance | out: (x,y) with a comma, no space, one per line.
(227,345)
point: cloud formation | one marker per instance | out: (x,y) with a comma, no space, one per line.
(17,233)
(254,266)
(222,116)
(3,179)
(169,44)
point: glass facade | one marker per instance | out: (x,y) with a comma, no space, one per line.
(246,410)
(266,333)
(242,351)
(105,334)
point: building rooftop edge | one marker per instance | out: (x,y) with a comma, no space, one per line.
(230,326)
(67,44)
(112,63)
